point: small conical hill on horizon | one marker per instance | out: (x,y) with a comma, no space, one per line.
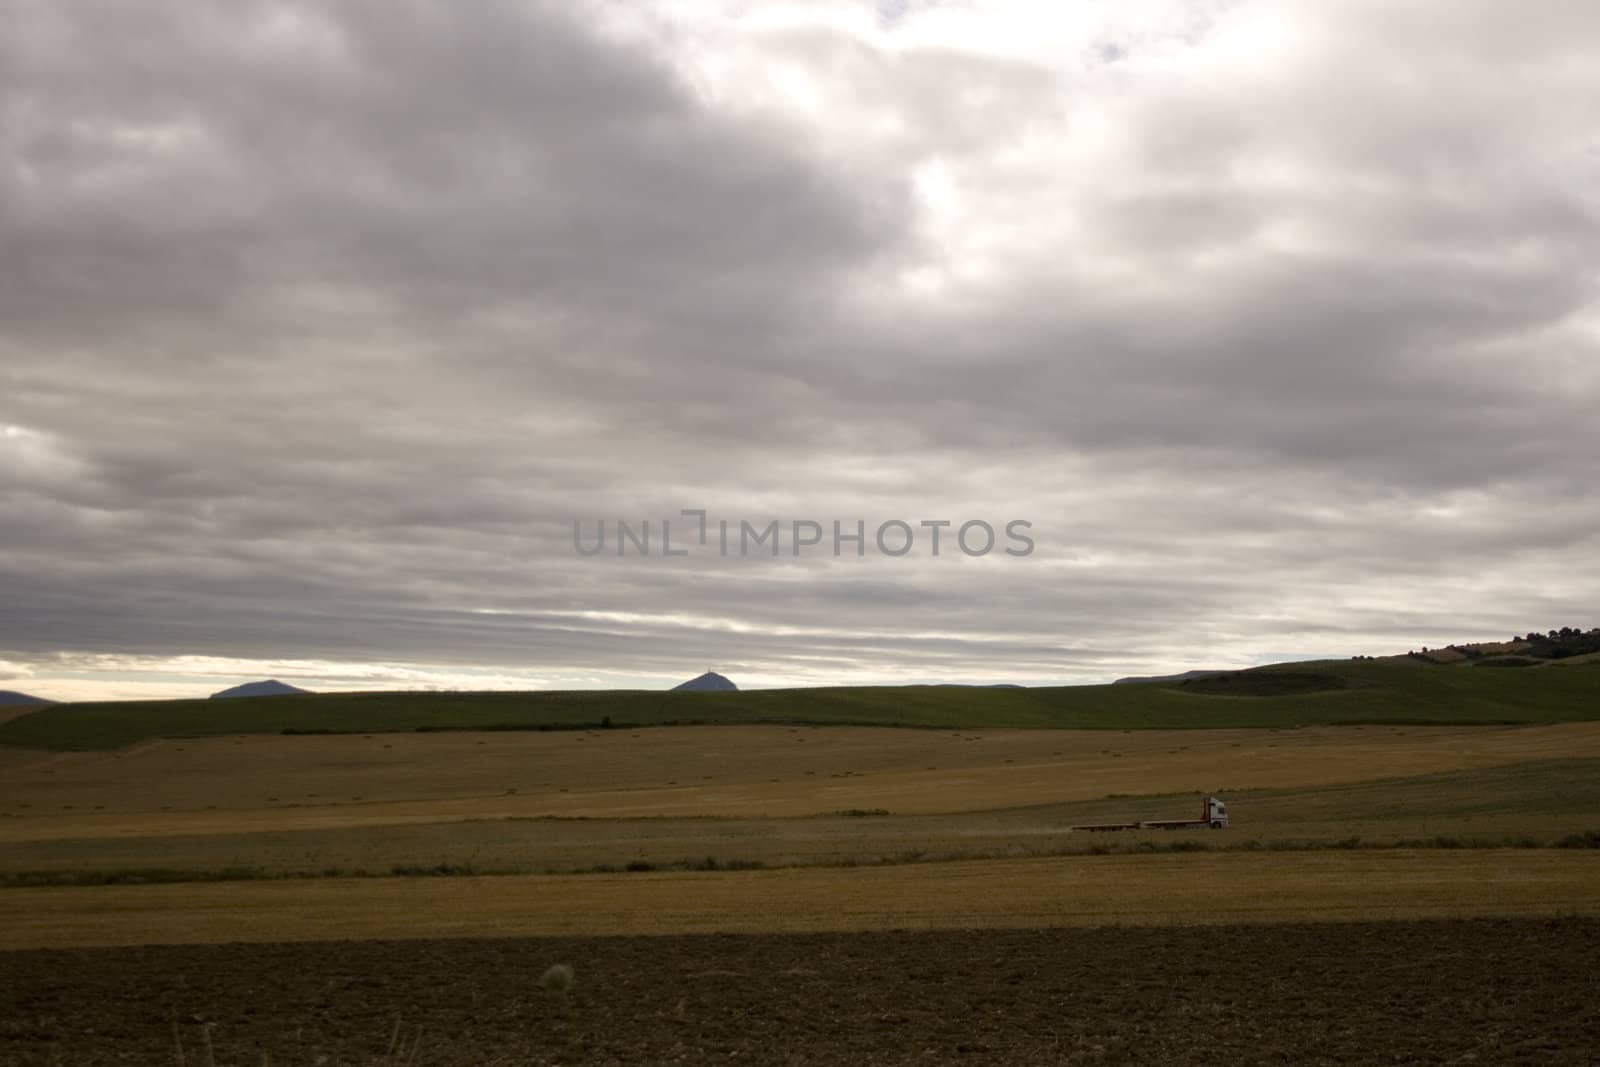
(269,688)
(709,682)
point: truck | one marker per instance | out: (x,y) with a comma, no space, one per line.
(1213,814)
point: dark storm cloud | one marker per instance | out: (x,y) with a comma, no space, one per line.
(445,159)
(319,324)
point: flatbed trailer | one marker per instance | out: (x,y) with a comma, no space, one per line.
(1213,814)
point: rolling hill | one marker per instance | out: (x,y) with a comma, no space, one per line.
(1397,690)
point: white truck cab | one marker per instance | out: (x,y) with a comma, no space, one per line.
(1216,813)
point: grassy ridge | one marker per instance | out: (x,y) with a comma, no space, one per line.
(1355,691)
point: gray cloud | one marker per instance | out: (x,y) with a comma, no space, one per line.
(318,325)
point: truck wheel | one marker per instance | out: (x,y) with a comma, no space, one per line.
(1216,826)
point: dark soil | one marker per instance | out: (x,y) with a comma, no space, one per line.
(1487,992)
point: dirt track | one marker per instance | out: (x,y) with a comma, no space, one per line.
(1497,991)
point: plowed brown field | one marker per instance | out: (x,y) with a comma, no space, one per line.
(1485,992)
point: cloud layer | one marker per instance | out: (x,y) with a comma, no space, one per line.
(319,324)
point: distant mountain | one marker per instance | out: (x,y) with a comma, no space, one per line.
(10,699)
(270,688)
(1184,677)
(709,682)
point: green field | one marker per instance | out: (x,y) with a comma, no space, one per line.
(1304,694)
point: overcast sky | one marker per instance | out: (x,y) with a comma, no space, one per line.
(320,324)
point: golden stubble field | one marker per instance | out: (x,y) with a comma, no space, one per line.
(275,783)
(1182,889)
(774,795)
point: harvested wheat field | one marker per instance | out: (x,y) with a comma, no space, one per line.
(265,782)
(1460,991)
(1177,888)
(300,806)
(828,925)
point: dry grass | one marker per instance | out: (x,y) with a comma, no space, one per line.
(557,978)
(1077,891)
(267,783)
(16,711)
(1539,803)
